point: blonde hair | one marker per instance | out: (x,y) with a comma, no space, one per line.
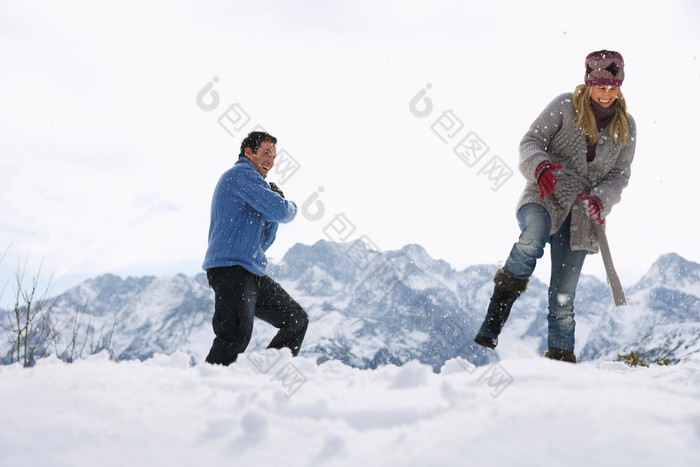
(619,127)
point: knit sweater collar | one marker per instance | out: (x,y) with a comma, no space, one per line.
(603,116)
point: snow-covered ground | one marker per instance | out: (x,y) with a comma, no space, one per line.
(271,409)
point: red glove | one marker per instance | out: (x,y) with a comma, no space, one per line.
(594,207)
(545,178)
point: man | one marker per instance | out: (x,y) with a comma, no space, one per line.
(245,213)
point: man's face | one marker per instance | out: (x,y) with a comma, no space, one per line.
(264,158)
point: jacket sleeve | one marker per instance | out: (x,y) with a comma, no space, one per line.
(256,192)
(269,234)
(609,190)
(534,144)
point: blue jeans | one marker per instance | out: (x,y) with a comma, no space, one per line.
(535,224)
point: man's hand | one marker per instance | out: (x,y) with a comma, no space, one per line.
(594,207)
(276,189)
(545,177)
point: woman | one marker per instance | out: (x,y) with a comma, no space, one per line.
(576,159)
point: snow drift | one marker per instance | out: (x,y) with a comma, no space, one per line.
(270,409)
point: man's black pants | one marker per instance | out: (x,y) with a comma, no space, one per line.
(240,297)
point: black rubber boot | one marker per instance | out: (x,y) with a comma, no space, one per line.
(561,355)
(508,288)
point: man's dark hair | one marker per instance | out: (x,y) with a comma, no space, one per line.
(254,140)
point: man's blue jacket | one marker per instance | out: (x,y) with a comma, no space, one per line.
(245,214)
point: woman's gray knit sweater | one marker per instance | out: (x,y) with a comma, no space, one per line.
(554,136)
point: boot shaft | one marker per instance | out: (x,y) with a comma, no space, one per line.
(506,290)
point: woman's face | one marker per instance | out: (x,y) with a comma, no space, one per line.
(604,95)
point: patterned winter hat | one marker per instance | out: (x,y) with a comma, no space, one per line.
(604,68)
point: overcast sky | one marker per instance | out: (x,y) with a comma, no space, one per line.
(118,118)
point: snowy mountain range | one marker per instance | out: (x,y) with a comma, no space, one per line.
(370,308)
